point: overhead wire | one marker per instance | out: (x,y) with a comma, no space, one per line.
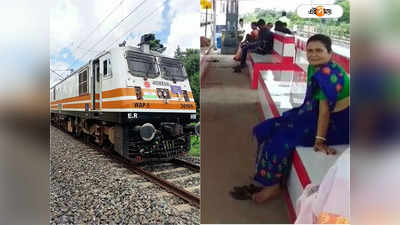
(136,25)
(59,75)
(129,30)
(98,25)
(119,23)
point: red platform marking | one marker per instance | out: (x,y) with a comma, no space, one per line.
(291,211)
(271,103)
(257,67)
(204,68)
(342,61)
(301,170)
(282,59)
(284,39)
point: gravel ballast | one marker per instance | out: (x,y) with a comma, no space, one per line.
(87,188)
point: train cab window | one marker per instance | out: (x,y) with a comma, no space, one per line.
(97,72)
(83,82)
(172,69)
(107,68)
(141,64)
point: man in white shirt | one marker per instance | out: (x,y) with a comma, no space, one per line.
(284,18)
(241,29)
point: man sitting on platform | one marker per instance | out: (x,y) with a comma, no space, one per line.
(263,45)
(282,27)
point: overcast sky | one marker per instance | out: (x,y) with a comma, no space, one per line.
(73,42)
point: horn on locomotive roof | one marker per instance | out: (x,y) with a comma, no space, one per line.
(122,44)
(148,40)
(145,42)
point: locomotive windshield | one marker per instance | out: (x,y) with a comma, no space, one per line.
(172,69)
(141,65)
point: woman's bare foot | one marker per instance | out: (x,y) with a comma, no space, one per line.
(267,193)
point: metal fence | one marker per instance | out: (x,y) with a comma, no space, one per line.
(338,38)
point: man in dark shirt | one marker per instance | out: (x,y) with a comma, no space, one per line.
(263,45)
(282,27)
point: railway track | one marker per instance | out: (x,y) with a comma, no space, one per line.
(168,184)
(171,176)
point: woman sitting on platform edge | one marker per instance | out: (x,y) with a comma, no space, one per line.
(322,120)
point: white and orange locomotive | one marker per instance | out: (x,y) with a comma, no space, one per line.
(132,99)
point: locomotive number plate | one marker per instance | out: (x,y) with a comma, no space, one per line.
(186,106)
(141,105)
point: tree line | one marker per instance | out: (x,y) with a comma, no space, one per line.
(340,26)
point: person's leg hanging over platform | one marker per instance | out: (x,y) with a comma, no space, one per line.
(245,48)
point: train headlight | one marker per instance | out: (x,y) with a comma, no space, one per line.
(193,116)
(147,132)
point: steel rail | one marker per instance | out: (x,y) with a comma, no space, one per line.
(180,192)
(189,197)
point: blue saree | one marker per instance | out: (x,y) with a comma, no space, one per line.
(277,137)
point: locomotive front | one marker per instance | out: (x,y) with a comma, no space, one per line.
(158,122)
(134,100)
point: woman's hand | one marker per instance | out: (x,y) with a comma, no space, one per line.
(320,146)
(322,129)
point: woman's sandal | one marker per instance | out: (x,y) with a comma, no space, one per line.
(244,192)
(247,188)
(240,195)
(254,189)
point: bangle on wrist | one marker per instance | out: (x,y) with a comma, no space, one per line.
(320,138)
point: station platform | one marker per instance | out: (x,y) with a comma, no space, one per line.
(229,110)
(281,91)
